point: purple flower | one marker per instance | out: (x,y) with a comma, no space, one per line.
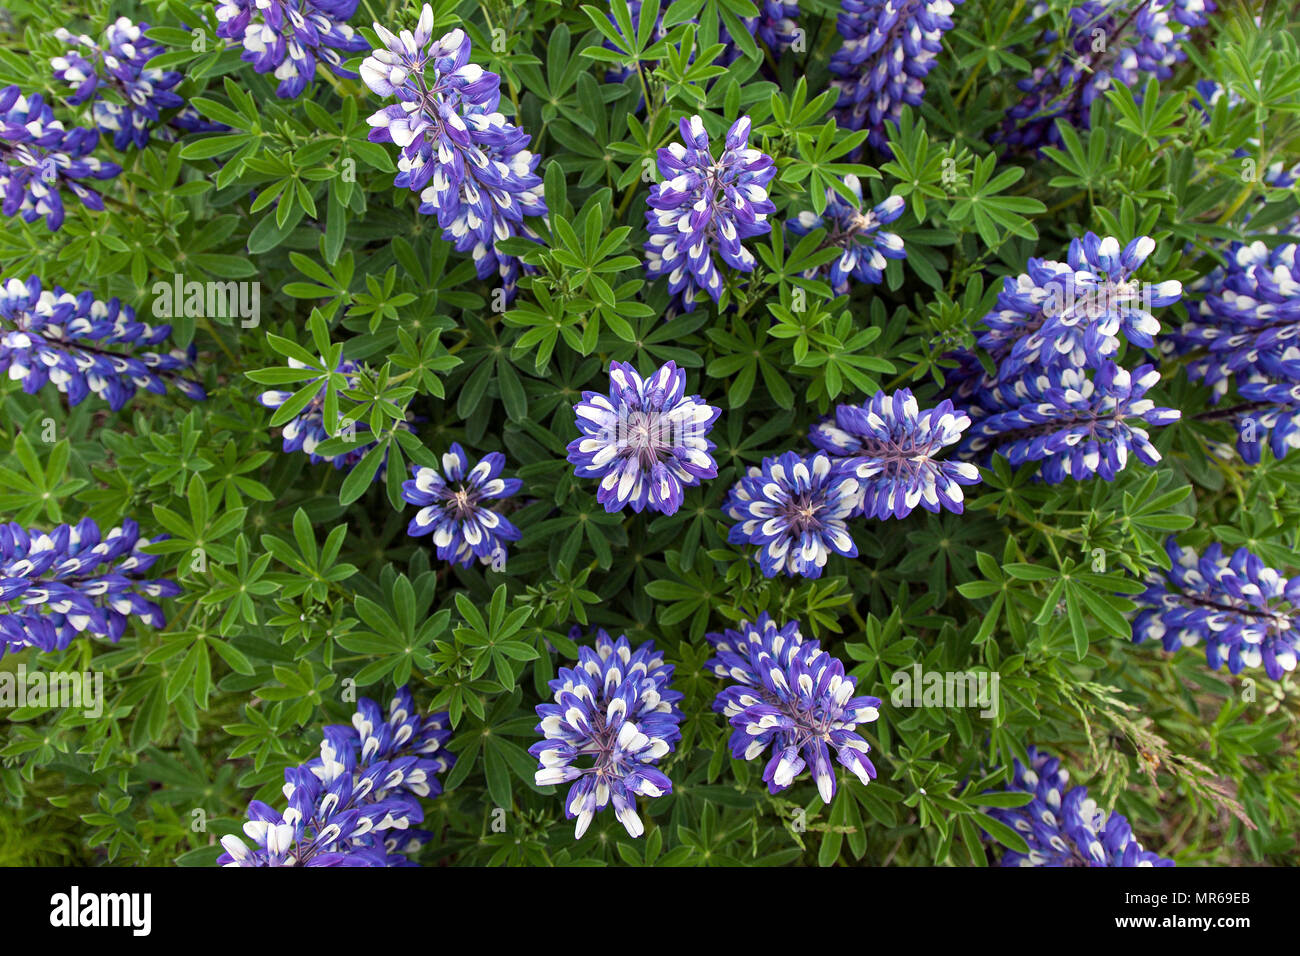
(889,47)
(1145,38)
(1246,613)
(1075,425)
(1244,328)
(890,444)
(706,206)
(614,717)
(453,507)
(856,232)
(1071,314)
(795,510)
(74,580)
(792,698)
(645,441)
(85,346)
(39,158)
(465,159)
(306,429)
(120,66)
(288,37)
(355,803)
(1065,827)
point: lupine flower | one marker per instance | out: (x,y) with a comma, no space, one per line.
(795,510)
(777,26)
(355,803)
(1246,613)
(75,580)
(39,158)
(856,232)
(1075,425)
(453,507)
(645,441)
(792,698)
(468,163)
(1065,827)
(706,206)
(1145,39)
(85,346)
(1244,327)
(306,430)
(890,444)
(288,37)
(120,65)
(1071,314)
(617,712)
(889,47)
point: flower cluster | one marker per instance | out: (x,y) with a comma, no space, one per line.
(75,580)
(793,698)
(85,346)
(288,37)
(1145,39)
(856,232)
(1058,396)
(354,804)
(890,445)
(453,507)
(889,47)
(1065,827)
(1075,425)
(120,65)
(1245,612)
(796,510)
(1072,313)
(467,162)
(646,441)
(706,206)
(1244,328)
(306,430)
(776,25)
(616,710)
(39,158)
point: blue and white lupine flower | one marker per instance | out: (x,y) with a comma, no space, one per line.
(306,430)
(120,65)
(1072,314)
(1064,826)
(865,248)
(1246,613)
(795,509)
(646,441)
(39,158)
(287,38)
(75,580)
(613,718)
(889,47)
(84,346)
(1075,425)
(454,508)
(467,162)
(354,804)
(706,206)
(1244,329)
(1146,39)
(891,446)
(792,699)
